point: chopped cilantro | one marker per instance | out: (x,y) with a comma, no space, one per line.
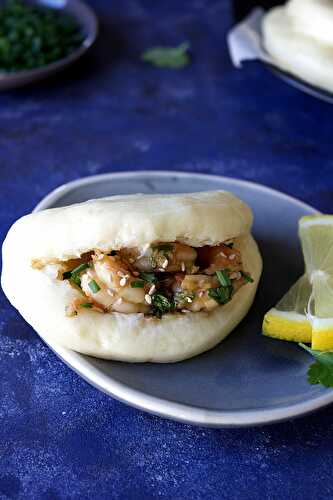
(222,294)
(161,304)
(86,305)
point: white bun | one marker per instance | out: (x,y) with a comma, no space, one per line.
(132,221)
(299,38)
(41,298)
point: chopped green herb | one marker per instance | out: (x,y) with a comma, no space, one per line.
(247,277)
(137,284)
(149,277)
(168,57)
(80,268)
(76,280)
(161,304)
(32,36)
(94,287)
(223,277)
(67,275)
(221,295)
(86,305)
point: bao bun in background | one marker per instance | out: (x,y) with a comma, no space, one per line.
(117,222)
(299,38)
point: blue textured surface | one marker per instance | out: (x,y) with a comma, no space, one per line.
(59,437)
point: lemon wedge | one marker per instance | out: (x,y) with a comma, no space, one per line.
(288,320)
(316,233)
(305,313)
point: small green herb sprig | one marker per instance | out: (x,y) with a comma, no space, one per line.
(321,371)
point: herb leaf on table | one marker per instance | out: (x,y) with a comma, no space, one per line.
(168,57)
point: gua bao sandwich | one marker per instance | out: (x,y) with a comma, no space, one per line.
(155,278)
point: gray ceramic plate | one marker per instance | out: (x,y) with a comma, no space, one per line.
(246,380)
(86,19)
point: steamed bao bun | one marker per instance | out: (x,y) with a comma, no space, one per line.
(112,223)
(299,38)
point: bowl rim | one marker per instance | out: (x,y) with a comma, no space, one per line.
(162,407)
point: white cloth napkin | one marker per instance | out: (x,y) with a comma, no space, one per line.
(245,40)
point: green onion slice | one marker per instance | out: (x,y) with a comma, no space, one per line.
(94,287)
(223,278)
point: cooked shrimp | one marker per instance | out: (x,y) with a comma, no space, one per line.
(195,288)
(212,259)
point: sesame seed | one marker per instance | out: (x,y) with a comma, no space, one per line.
(232,256)
(201,293)
(222,254)
(185,311)
(148,298)
(123,281)
(189,299)
(183,266)
(152,290)
(161,270)
(165,263)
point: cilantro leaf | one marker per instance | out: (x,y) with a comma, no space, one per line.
(168,57)
(323,357)
(320,372)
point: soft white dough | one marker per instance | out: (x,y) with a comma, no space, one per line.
(41,298)
(299,38)
(130,221)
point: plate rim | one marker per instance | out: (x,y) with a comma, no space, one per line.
(155,405)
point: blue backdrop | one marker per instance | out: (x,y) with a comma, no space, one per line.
(59,437)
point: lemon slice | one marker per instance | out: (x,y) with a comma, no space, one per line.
(288,320)
(316,233)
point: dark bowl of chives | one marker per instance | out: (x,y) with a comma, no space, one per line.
(43,38)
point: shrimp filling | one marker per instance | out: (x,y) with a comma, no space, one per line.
(158,279)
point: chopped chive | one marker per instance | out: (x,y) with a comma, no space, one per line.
(247,277)
(223,278)
(66,275)
(80,268)
(94,287)
(137,284)
(86,305)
